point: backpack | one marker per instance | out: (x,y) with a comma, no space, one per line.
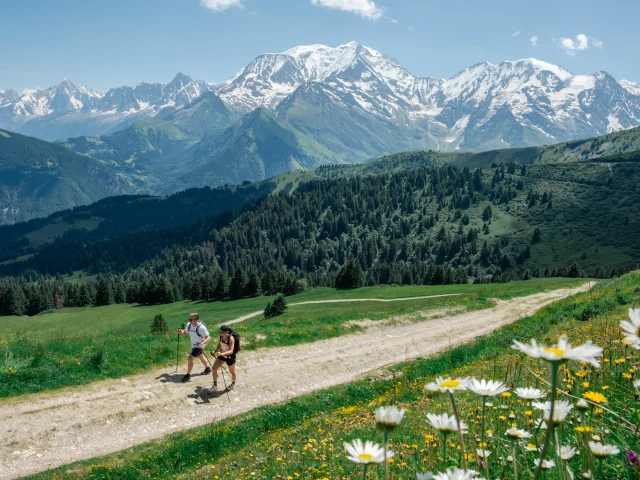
(198,328)
(236,342)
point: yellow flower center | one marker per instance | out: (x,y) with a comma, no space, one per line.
(555,350)
(450,384)
(366,457)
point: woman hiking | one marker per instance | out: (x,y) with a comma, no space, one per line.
(228,346)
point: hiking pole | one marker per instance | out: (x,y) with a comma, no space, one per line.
(221,368)
(177,350)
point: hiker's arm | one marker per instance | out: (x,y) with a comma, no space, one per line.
(205,341)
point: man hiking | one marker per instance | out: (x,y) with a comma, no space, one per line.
(228,345)
(199,338)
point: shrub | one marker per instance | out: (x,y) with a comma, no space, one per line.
(277,308)
(159,325)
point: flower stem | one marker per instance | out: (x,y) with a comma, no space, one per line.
(484,411)
(550,424)
(459,425)
(444,448)
(365,467)
(386,460)
(514,445)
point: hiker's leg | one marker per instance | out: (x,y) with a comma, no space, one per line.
(189,364)
(216,366)
(232,370)
(203,359)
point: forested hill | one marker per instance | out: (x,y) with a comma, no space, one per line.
(401,227)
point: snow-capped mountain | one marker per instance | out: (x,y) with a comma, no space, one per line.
(65,110)
(515,103)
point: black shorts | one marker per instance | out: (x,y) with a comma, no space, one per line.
(229,360)
(196,352)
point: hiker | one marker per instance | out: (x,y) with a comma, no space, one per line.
(199,338)
(229,345)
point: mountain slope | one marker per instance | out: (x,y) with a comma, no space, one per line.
(256,147)
(39,178)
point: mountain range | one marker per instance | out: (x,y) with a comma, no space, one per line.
(512,104)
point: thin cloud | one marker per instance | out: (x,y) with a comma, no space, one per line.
(515,34)
(580,42)
(221,5)
(365,8)
(393,20)
(534,40)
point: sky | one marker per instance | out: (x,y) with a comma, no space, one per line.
(109,43)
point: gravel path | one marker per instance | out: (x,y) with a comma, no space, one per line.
(51,429)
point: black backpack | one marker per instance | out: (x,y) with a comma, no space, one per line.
(236,343)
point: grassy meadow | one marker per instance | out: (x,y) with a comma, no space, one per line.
(304,437)
(77,346)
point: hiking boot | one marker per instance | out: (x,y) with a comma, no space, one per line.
(214,387)
(207,371)
(186,378)
(232,386)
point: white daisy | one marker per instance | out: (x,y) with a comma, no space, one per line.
(540,424)
(456,474)
(530,393)
(388,418)
(424,476)
(485,388)
(483,453)
(600,450)
(560,412)
(632,328)
(530,447)
(562,352)
(447,385)
(368,453)
(566,452)
(514,432)
(546,464)
(445,423)
(636,384)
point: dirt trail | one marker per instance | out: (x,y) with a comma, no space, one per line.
(48,430)
(344,300)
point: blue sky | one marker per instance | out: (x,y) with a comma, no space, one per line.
(123,42)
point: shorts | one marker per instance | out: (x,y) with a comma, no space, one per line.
(196,352)
(229,360)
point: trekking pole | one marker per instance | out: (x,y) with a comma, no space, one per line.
(177,350)
(221,368)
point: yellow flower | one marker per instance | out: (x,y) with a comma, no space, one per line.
(595,397)
(584,429)
(585,384)
(618,361)
(626,375)
(506,394)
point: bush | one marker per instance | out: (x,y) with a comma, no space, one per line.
(159,325)
(277,308)
(98,358)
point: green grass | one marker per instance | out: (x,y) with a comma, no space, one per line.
(60,349)
(304,436)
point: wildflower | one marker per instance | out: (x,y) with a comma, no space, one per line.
(483,453)
(513,432)
(595,397)
(546,464)
(456,474)
(566,452)
(632,328)
(368,453)
(562,352)
(485,388)
(560,412)
(445,423)
(388,418)
(530,447)
(636,384)
(582,404)
(601,451)
(424,476)
(633,458)
(530,393)
(447,385)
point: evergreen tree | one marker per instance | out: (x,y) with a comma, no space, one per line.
(104,293)
(222,286)
(238,284)
(350,275)
(253,288)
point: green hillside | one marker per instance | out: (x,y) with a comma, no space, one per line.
(39,178)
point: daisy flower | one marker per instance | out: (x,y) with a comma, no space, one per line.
(561,352)
(514,432)
(424,476)
(445,423)
(560,412)
(546,464)
(388,418)
(483,453)
(636,384)
(632,328)
(530,393)
(601,451)
(485,388)
(566,452)
(447,385)
(456,474)
(368,453)
(530,447)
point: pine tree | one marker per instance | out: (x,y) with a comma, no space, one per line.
(350,275)
(253,288)
(104,294)
(238,284)
(222,286)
